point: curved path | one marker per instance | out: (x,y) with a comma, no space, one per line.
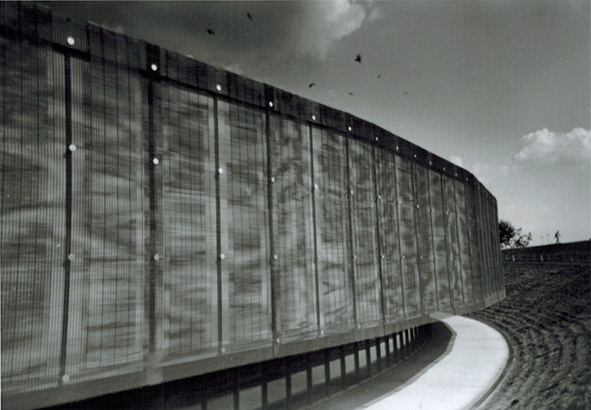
(456,369)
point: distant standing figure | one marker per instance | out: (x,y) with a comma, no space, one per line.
(557,236)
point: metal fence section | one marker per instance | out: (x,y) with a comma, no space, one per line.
(161,218)
(571,253)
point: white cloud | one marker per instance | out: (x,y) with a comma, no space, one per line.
(327,22)
(507,170)
(456,160)
(561,148)
(284,38)
(482,172)
(480,169)
(374,14)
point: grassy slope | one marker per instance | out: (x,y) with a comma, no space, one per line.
(546,318)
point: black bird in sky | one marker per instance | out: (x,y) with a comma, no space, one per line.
(358,59)
(406,93)
(379,76)
(210,32)
(311,85)
(249,16)
(350,93)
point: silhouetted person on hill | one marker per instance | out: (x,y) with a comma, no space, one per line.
(557,236)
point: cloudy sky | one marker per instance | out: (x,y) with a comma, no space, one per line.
(501,88)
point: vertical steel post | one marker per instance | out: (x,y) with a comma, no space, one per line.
(68,217)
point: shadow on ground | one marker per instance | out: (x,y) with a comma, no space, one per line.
(388,382)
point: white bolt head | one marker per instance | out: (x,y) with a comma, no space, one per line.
(313,117)
(350,129)
(222,256)
(270,103)
(219,88)
(272,179)
(221,170)
(156,257)
(71,257)
(154,67)
(71,40)
(65,378)
(72,147)
(155,161)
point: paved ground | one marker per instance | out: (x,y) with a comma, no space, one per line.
(454,370)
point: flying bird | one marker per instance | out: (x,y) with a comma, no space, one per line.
(249,16)
(350,93)
(311,85)
(358,59)
(210,32)
(379,76)
(406,93)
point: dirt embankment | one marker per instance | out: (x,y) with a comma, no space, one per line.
(546,319)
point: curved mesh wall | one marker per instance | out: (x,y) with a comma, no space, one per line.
(161,218)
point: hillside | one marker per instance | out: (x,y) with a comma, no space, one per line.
(546,319)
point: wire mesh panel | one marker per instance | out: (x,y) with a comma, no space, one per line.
(189,308)
(463,243)
(332,230)
(475,245)
(408,236)
(363,231)
(246,290)
(425,239)
(480,226)
(488,241)
(107,279)
(293,234)
(485,238)
(493,240)
(387,208)
(440,240)
(452,241)
(496,249)
(32,208)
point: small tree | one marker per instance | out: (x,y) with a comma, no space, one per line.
(511,237)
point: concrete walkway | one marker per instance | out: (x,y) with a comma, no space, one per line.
(454,370)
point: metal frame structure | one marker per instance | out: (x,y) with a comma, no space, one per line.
(163,218)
